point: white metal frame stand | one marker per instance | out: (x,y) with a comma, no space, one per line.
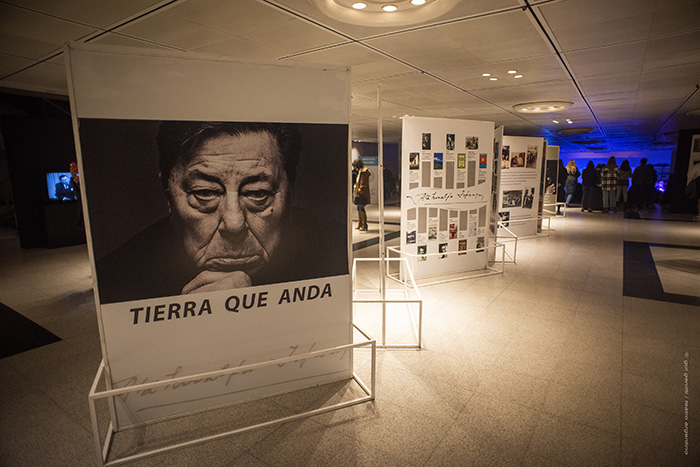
(490,270)
(514,238)
(102,450)
(555,206)
(408,295)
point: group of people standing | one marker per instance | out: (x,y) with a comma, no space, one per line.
(613,182)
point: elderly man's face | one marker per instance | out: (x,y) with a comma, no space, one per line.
(228,202)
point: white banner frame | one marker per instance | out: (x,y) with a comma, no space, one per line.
(106,91)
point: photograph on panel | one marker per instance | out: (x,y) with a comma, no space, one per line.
(505,157)
(180,207)
(504,218)
(528,197)
(512,198)
(531,157)
(450,142)
(517,160)
(414,161)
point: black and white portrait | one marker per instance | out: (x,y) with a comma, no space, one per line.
(180,207)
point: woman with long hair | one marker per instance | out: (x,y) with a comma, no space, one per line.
(623,182)
(572,174)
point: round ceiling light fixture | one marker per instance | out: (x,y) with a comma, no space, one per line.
(384,13)
(543,107)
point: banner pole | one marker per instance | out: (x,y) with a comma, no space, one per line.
(382,247)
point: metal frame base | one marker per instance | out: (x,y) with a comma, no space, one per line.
(103,448)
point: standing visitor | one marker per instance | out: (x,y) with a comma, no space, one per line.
(589,180)
(643,180)
(572,174)
(361,194)
(623,183)
(561,182)
(608,183)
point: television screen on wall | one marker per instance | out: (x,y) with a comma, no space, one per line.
(59,187)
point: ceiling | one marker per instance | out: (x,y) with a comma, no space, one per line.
(631,68)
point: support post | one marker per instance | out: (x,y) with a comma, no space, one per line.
(380,195)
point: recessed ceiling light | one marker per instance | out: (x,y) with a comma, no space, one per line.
(555,121)
(493,78)
(417,2)
(390,8)
(518,76)
(543,107)
(486,74)
(359,6)
(512,72)
(569,122)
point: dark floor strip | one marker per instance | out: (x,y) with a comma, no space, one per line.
(375,240)
(640,278)
(19,334)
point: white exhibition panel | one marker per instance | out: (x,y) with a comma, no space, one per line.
(521,167)
(167,335)
(446,193)
(177,86)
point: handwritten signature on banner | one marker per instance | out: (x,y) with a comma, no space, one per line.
(428,198)
(223,380)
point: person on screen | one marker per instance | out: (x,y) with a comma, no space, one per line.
(229,189)
(64,189)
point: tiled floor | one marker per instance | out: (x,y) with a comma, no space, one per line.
(548,364)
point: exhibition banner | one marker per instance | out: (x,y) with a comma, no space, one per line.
(217,209)
(521,166)
(446,193)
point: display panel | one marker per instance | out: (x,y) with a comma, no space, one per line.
(446,190)
(218,222)
(520,178)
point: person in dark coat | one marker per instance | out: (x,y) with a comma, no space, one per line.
(589,180)
(643,179)
(65,190)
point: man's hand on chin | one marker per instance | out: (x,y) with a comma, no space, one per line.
(217,280)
